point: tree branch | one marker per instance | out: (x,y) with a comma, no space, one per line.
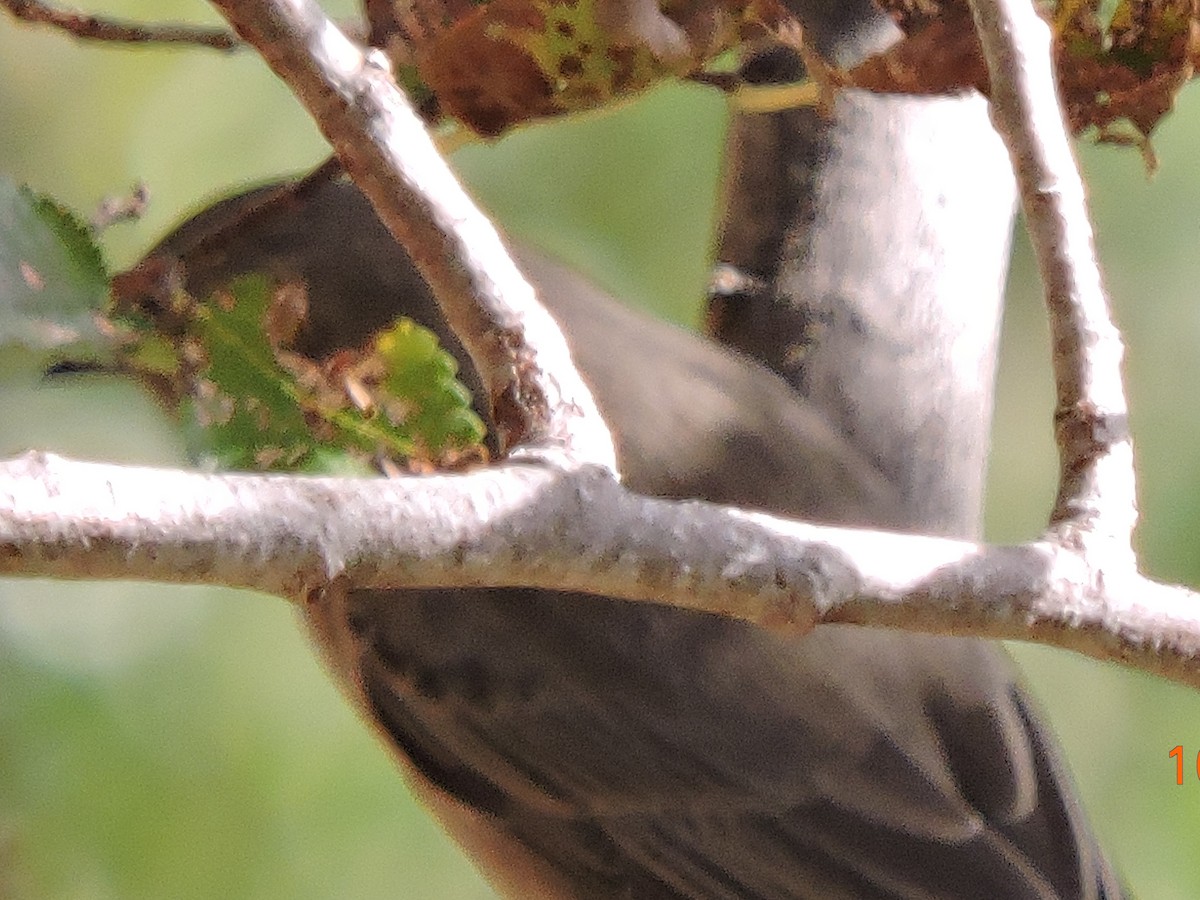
(1097,496)
(569,527)
(96,28)
(539,526)
(537,397)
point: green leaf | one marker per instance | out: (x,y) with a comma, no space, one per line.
(242,406)
(423,374)
(53,281)
(249,402)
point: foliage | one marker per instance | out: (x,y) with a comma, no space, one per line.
(251,400)
(225,362)
(1120,67)
(52,277)
(493,64)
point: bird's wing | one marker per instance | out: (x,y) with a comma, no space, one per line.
(648,752)
(651,752)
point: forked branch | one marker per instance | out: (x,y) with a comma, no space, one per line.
(565,522)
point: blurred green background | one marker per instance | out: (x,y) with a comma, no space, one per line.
(184,743)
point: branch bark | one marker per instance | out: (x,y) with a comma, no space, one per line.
(1097,486)
(96,28)
(540,526)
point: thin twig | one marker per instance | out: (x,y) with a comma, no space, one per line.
(538,400)
(1097,486)
(97,28)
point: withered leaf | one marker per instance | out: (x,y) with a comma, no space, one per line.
(497,63)
(1125,68)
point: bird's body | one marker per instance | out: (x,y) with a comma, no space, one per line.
(585,747)
(632,750)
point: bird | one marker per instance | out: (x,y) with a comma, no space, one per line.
(580,746)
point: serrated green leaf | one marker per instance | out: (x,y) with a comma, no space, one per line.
(423,374)
(248,403)
(242,407)
(53,281)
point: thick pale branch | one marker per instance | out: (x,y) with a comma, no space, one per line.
(1097,489)
(539,526)
(537,397)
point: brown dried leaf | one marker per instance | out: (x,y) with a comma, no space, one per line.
(1132,71)
(942,56)
(497,63)
(1127,70)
